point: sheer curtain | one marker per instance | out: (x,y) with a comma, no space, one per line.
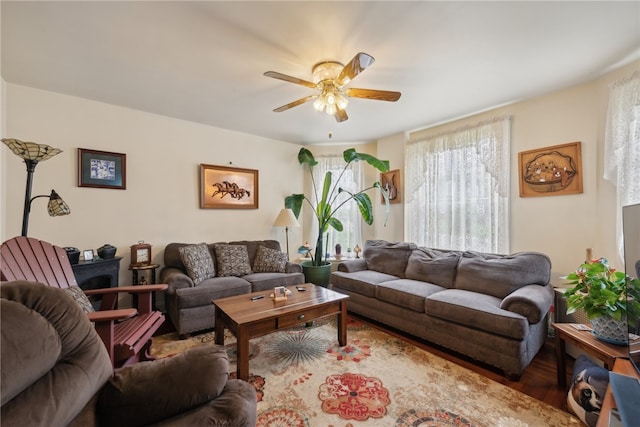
(348,214)
(622,146)
(458,188)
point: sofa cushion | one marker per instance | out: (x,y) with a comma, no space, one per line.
(268,281)
(362,282)
(233,260)
(80,298)
(210,289)
(197,262)
(433,266)
(252,246)
(386,257)
(499,275)
(478,311)
(269,260)
(406,293)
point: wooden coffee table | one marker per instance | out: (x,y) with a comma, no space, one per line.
(247,317)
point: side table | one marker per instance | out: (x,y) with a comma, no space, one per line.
(584,340)
(136,280)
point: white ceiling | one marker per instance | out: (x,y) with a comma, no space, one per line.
(204,61)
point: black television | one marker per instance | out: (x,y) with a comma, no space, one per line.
(631,235)
(626,389)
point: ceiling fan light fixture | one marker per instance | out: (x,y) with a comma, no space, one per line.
(328,70)
(331,109)
(318,104)
(341,101)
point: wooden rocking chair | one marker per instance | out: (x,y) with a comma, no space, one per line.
(125,332)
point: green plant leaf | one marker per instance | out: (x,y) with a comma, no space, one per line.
(350,155)
(366,207)
(336,224)
(294,202)
(306,157)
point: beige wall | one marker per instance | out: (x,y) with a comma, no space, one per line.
(161,202)
(561,226)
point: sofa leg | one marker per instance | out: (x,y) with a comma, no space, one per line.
(184,336)
(511,376)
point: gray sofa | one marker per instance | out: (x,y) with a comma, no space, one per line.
(188,301)
(492,308)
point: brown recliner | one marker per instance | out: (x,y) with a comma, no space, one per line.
(55,371)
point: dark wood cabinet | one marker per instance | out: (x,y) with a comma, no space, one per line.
(97,274)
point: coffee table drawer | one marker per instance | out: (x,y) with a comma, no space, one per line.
(293,319)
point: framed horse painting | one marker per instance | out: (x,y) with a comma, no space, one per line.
(223,187)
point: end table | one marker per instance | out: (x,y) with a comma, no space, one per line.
(136,281)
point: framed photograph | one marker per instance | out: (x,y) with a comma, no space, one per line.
(102,169)
(223,187)
(551,171)
(87,255)
(390,181)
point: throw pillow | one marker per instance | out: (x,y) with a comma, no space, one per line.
(80,297)
(587,390)
(233,260)
(197,261)
(269,260)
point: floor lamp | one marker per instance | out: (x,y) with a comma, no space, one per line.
(33,153)
(286,219)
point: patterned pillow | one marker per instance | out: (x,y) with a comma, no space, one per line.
(197,261)
(269,260)
(233,260)
(78,296)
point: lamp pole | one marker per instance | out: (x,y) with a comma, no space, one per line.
(31,167)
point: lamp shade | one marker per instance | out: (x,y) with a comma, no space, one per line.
(30,150)
(57,206)
(286,218)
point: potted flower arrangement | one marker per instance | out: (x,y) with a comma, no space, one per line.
(325,202)
(607,296)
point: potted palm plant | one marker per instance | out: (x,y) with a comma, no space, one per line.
(328,198)
(607,296)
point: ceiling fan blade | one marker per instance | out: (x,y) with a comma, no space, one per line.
(280,76)
(294,103)
(358,64)
(341,115)
(379,95)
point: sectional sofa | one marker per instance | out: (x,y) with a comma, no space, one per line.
(491,308)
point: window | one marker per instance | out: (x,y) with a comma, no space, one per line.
(458,188)
(622,146)
(348,214)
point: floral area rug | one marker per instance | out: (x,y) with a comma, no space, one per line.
(304,379)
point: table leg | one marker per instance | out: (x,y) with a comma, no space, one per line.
(342,324)
(561,360)
(219,329)
(242,354)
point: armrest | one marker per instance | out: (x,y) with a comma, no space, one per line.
(292,267)
(134,289)
(107,315)
(353,265)
(531,301)
(176,279)
(181,383)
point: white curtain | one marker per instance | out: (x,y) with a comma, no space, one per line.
(457,188)
(348,214)
(622,146)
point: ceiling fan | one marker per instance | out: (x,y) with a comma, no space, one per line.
(329,80)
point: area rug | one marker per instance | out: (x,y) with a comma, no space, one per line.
(304,379)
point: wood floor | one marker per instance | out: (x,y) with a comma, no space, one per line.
(538,380)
